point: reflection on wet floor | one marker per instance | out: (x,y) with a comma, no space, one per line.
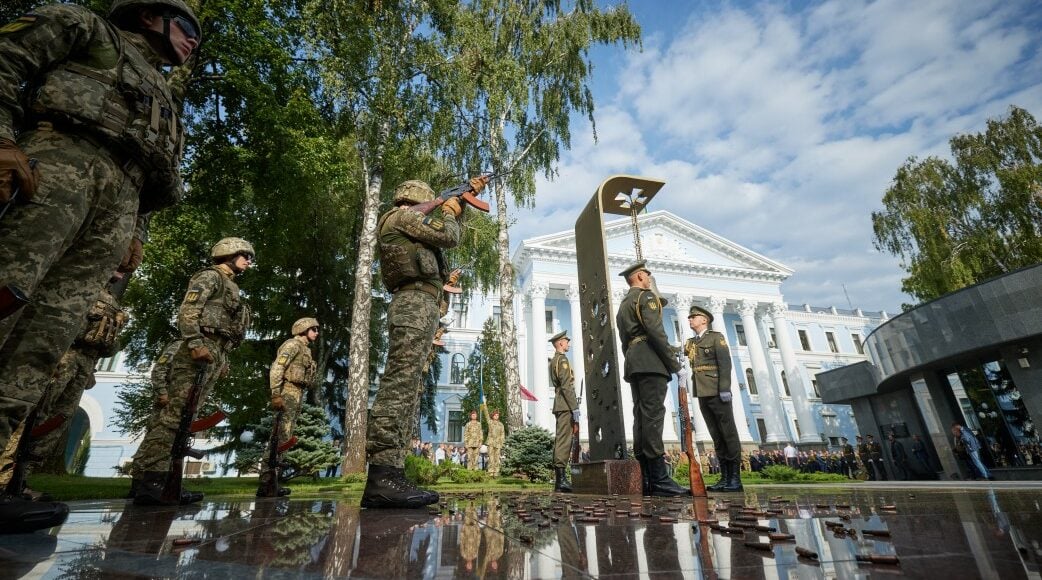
(917,533)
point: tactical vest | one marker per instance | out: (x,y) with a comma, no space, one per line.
(127,105)
(104,321)
(224,313)
(301,370)
(403,260)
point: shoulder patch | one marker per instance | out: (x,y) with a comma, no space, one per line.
(283,358)
(435,223)
(652,304)
(723,342)
(19,24)
(163,359)
(193,294)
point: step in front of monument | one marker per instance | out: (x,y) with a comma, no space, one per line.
(621,476)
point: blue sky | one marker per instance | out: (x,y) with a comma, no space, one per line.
(780,125)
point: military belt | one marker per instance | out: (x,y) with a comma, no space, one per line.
(636,340)
(216,333)
(425,287)
(706,368)
(118,156)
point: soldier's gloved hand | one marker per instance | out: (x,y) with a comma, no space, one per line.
(16,172)
(277,403)
(725,396)
(452,206)
(202,353)
(575,415)
(477,184)
(163,400)
(132,258)
(224,371)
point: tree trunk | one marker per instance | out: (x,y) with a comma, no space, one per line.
(355,412)
(508,333)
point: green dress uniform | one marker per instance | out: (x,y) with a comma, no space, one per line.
(711,369)
(563,379)
(472,436)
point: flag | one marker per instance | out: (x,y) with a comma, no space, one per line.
(526,394)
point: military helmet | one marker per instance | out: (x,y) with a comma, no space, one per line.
(230,247)
(414,191)
(123,12)
(301,326)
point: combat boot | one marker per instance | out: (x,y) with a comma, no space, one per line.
(150,491)
(266,484)
(734,482)
(135,485)
(661,484)
(561,480)
(387,487)
(21,516)
(645,481)
(725,472)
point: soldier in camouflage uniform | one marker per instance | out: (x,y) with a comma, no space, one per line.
(711,370)
(472,436)
(494,440)
(213,322)
(84,97)
(292,373)
(414,271)
(650,361)
(566,408)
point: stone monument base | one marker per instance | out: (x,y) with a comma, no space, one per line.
(621,476)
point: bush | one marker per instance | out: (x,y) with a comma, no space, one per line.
(359,477)
(779,473)
(420,470)
(463,475)
(529,453)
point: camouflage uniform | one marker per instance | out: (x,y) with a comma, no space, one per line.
(472,436)
(492,535)
(292,372)
(160,378)
(494,441)
(469,538)
(413,269)
(99,117)
(211,316)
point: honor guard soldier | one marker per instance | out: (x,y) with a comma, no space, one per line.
(566,408)
(650,361)
(495,439)
(292,373)
(472,437)
(711,373)
(213,321)
(413,270)
(83,96)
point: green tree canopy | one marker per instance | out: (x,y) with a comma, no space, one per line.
(486,372)
(955,223)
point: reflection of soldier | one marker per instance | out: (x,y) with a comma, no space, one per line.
(494,441)
(566,408)
(213,321)
(472,437)
(291,374)
(414,271)
(84,97)
(660,546)
(573,551)
(469,538)
(650,361)
(383,543)
(493,537)
(711,369)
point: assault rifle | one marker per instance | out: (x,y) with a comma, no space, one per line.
(576,447)
(183,438)
(694,469)
(270,487)
(23,453)
(11,300)
(464,192)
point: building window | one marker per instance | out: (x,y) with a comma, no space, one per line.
(831,338)
(459,312)
(814,383)
(785,384)
(804,340)
(549,321)
(455,426)
(860,348)
(497,315)
(796,424)
(739,331)
(676,328)
(761,428)
(774,339)
(107,365)
(751,381)
(456,370)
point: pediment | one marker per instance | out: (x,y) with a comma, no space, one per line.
(669,240)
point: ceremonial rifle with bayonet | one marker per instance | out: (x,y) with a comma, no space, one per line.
(694,469)
(576,447)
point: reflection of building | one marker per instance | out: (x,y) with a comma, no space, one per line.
(973,356)
(777,349)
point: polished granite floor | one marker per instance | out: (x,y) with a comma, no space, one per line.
(950,534)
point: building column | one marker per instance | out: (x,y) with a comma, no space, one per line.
(625,396)
(523,371)
(683,306)
(794,376)
(716,308)
(770,401)
(540,386)
(578,356)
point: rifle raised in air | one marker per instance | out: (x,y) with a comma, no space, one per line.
(182,446)
(464,192)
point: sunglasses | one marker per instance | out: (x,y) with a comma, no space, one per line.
(187,26)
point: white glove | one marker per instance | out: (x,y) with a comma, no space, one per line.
(575,415)
(725,396)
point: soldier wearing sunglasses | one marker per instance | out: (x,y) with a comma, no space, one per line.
(90,143)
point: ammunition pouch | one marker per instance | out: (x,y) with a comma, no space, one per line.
(301,374)
(104,322)
(403,261)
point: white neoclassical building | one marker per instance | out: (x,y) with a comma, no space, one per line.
(777,348)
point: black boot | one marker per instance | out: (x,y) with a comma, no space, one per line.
(645,479)
(21,516)
(734,482)
(386,487)
(561,480)
(150,490)
(661,484)
(135,485)
(725,472)
(267,488)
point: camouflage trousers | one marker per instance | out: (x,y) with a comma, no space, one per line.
(473,457)
(75,374)
(154,452)
(494,460)
(411,319)
(60,249)
(292,396)
(563,439)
